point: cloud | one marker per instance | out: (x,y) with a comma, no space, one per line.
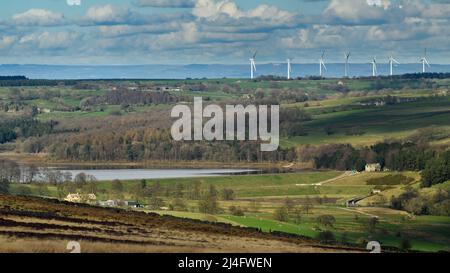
(74,2)
(38,17)
(117,15)
(7,41)
(109,15)
(127,30)
(167,3)
(50,40)
(212,10)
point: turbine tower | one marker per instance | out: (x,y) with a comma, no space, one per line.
(424,61)
(289,68)
(322,64)
(347,56)
(391,64)
(374,67)
(253,65)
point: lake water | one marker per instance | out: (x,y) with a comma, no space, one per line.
(135,174)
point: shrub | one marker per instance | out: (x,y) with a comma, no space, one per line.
(326,237)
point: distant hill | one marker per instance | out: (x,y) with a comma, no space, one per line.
(12,78)
(334,70)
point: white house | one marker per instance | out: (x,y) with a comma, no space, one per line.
(376,167)
(75,198)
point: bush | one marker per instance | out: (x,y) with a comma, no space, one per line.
(326,237)
(405,244)
(326,220)
(281,214)
(4,185)
(23,190)
(236,211)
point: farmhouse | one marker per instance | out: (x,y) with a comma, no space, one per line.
(133,204)
(79,198)
(109,203)
(75,198)
(376,167)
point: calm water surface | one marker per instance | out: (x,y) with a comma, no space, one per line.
(135,174)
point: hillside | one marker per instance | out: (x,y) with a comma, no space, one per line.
(30,224)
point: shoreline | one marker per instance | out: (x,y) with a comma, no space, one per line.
(42,159)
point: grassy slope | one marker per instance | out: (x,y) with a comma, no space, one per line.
(377,123)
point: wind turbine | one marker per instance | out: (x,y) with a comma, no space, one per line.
(289,68)
(253,65)
(347,56)
(424,61)
(391,64)
(374,67)
(322,64)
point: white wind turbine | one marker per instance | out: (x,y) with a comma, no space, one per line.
(289,68)
(424,61)
(374,67)
(322,64)
(391,64)
(347,57)
(253,65)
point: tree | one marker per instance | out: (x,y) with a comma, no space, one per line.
(405,244)
(143,184)
(179,188)
(436,170)
(178,204)
(289,204)
(372,224)
(156,203)
(208,203)
(326,237)
(307,205)
(227,194)
(281,214)
(236,211)
(4,185)
(80,180)
(326,220)
(297,216)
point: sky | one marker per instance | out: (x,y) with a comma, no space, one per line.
(94,32)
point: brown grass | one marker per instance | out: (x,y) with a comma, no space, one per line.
(29,224)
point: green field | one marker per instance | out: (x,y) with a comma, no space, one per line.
(425,233)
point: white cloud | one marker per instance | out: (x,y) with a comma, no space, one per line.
(74,2)
(38,17)
(212,10)
(7,41)
(108,14)
(49,40)
(167,3)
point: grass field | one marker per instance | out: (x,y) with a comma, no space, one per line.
(375,123)
(425,233)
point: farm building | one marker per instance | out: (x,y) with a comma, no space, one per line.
(376,167)
(75,198)
(109,203)
(79,198)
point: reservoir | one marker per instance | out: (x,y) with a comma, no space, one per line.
(136,174)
